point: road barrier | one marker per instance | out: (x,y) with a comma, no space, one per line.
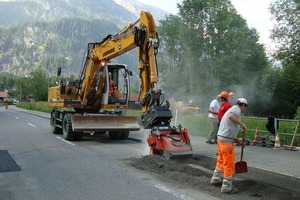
(287,129)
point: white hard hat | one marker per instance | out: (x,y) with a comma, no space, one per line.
(243,100)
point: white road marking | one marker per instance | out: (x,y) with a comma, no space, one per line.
(31,125)
(176,194)
(71,143)
(17,117)
(185,197)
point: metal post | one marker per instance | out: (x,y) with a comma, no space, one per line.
(275,125)
(20,91)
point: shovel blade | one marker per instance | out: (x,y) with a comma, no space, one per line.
(241,167)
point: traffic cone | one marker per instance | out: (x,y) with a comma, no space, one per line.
(254,142)
(277,142)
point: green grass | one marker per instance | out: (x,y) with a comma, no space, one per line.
(286,129)
(199,124)
(38,106)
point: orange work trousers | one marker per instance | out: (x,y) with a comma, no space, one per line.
(226,158)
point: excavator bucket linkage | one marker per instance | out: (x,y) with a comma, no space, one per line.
(170,142)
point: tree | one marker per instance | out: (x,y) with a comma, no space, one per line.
(23,90)
(209,48)
(170,59)
(286,33)
(39,84)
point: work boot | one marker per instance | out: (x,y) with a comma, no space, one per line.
(227,186)
(209,141)
(216,140)
(216,179)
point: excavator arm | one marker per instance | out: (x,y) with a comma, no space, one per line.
(141,35)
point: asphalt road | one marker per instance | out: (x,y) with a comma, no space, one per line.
(45,166)
(52,168)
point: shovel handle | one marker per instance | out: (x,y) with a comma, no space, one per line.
(242,149)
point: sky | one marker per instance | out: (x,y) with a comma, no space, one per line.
(254,11)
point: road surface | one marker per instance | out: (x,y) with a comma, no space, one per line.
(41,165)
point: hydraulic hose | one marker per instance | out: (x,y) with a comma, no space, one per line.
(139,37)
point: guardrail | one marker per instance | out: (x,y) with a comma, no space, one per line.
(287,128)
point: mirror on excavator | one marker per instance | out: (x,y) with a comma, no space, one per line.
(59,71)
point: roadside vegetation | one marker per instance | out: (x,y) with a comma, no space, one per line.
(199,124)
(38,106)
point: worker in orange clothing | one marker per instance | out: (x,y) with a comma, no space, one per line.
(227,135)
(113,90)
(6,104)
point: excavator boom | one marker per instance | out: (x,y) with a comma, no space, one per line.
(141,35)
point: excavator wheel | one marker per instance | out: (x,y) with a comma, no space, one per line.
(55,129)
(118,135)
(115,135)
(124,135)
(79,136)
(67,128)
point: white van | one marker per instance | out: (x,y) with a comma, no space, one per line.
(15,101)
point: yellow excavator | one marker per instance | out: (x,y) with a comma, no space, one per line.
(99,97)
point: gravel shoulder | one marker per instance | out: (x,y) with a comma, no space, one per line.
(196,173)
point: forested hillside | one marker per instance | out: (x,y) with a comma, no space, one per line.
(55,33)
(119,12)
(204,49)
(50,44)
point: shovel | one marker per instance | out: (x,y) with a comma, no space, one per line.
(241,166)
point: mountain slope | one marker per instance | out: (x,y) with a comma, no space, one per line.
(55,33)
(117,11)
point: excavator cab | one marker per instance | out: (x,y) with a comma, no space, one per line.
(117,87)
(118,84)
